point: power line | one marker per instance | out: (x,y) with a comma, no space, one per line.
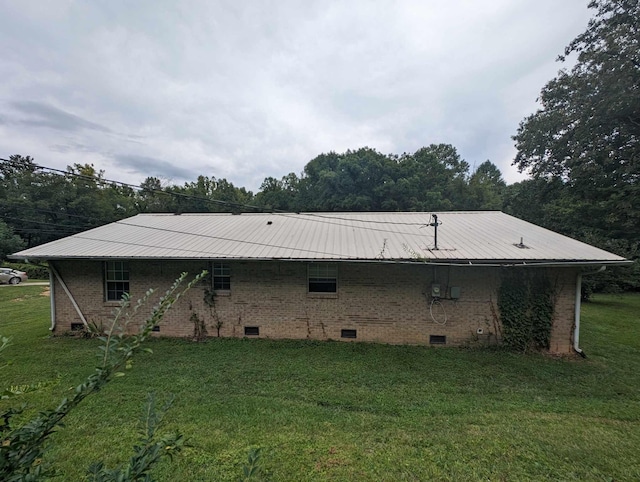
(60,226)
(138,187)
(321,217)
(48,211)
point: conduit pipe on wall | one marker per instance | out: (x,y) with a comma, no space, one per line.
(576,324)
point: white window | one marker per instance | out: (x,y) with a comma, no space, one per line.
(323,278)
(116,279)
(221,277)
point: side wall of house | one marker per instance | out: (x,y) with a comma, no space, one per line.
(387,303)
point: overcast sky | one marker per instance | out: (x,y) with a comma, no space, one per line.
(247,89)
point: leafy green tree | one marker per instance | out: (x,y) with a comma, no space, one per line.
(43,206)
(585,138)
(587,132)
(279,194)
(23,446)
(486,188)
(433,179)
(9,241)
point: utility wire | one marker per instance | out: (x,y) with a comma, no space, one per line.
(215,201)
(138,187)
(48,211)
(61,226)
(321,217)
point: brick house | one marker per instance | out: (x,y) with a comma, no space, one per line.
(408,278)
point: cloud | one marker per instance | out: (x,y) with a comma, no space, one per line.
(246,90)
(43,115)
(149,166)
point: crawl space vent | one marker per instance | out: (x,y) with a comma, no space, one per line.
(251,330)
(77,326)
(437,339)
(156,328)
(348,334)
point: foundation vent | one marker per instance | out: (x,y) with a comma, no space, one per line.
(348,334)
(251,330)
(437,339)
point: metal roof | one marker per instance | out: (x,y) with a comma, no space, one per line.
(463,237)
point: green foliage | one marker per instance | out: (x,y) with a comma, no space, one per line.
(252,470)
(486,188)
(23,447)
(346,411)
(432,178)
(526,301)
(9,241)
(33,271)
(583,146)
(147,452)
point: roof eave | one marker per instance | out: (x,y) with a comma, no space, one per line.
(436,262)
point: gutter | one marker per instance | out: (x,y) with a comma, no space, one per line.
(576,324)
(503,263)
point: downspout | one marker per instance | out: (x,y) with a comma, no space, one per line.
(52,297)
(576,324)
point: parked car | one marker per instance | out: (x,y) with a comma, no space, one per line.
(12,276)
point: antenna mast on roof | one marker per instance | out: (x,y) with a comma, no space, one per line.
(435,224)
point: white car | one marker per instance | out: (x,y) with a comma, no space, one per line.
(12,276)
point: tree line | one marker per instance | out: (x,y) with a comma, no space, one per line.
(581,149)
(39,204)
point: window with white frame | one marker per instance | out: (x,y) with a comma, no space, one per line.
(116,279)
(323,278)
(221,277)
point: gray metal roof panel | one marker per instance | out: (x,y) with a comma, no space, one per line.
(477,235)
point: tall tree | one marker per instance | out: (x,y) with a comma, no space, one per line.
(585,138)
(587,132)
(486,187)
(9,241)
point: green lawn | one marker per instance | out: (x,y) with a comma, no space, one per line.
(351,411)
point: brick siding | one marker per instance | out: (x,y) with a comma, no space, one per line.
(386,303)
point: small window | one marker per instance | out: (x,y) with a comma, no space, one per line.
(221,277)
(116,274)
(323,278)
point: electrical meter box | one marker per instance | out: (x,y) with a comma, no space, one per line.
(435,291)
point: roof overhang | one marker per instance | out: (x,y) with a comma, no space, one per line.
(515,263)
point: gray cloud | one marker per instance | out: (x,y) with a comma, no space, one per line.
(149,166)
(43,115)
(247,90)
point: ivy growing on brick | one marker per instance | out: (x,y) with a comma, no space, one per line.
(526,300)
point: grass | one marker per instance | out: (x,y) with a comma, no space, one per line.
(351,411)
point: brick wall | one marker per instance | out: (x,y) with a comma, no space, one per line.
(387,303)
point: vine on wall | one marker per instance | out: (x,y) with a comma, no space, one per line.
(526,300)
